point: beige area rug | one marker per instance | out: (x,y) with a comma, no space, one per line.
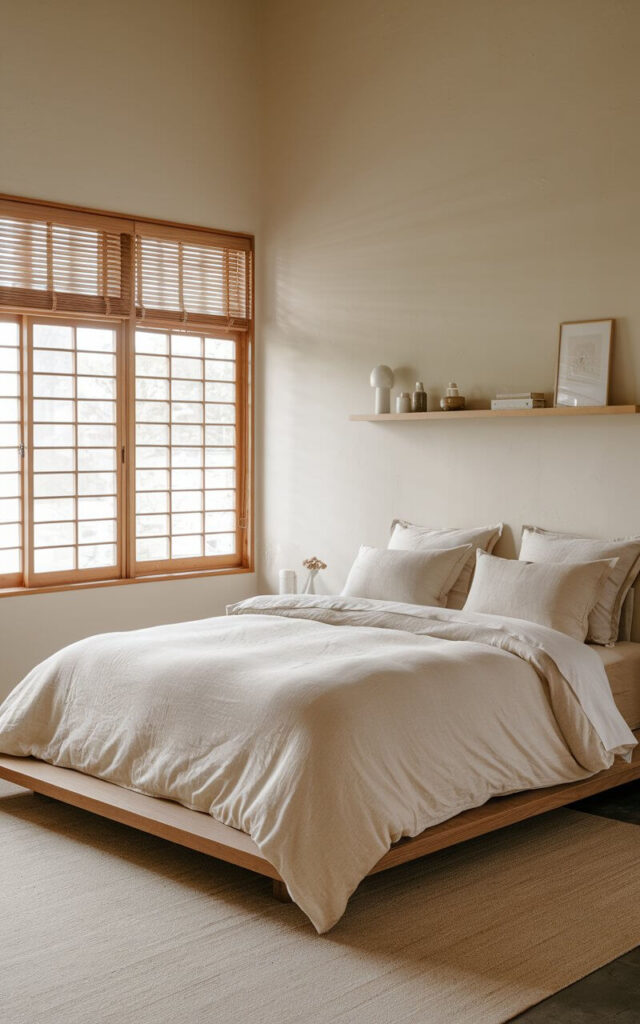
(99,923)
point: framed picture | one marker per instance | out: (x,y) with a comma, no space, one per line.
(584,362)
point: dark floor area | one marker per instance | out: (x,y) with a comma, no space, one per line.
(612,994)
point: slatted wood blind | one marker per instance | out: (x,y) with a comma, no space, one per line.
(193,283)
(65,267)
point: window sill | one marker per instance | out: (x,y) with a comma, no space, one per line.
(198,574)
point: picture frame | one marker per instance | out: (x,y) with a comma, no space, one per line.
(584,362)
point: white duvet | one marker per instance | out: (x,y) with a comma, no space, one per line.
(326,728)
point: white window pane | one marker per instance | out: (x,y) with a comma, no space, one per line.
(54,559)
(220,478)
(9,385)
(97,531)
(152,433)
(186,547)
(186,434)
(54,460)
(53,509)
(152,387)
(96,483)
(182,345)
(96,412)
(191,368)
(152,480)
(96,555)
(185,457)
(9,460)
(186,412)
(149,341)
(52,411)
(53,534)
(9,333)
(10,535)
(157,458)
(52,336)
(96,339)
(220,435)
(152,412)
(152,549)
(10,485)
(95,460)
(220,544)
(219,522)
(220,413)
(9,410)
(9,434)
(186,501)
(53,485)
(46,361)
(152,526)
(96,387)
(152,501)
(96,364)
(219,348)
(186,390)
(48,386)
(219,457)
(10,510)
(217,369)
(218,392)
(97,508)
(10,561)
(186,522)
(93,436)
(54,435)
(186,479)
(9,359)
(152,366)
(214,500)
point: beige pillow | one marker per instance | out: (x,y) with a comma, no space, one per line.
(408,537)
(414,577)
(558,595)
(545,546)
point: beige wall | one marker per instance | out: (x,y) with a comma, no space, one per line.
(446,181)
(147,107)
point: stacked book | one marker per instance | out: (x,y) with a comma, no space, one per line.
(519,400)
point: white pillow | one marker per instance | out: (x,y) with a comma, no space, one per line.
(558,595)
(414,577)
(408,537)
(546,546)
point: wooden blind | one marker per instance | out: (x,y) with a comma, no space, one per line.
(55,266)
(193,282)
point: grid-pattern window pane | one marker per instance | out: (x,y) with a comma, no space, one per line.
(186,422)
(10,457)
(74,467)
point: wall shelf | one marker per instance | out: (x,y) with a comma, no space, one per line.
(473,414)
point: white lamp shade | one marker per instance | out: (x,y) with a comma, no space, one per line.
(381,377)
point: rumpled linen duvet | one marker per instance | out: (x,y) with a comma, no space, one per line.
(326,728)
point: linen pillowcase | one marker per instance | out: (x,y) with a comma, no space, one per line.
(413,577)
(554,594)
(546,546)
(409,537)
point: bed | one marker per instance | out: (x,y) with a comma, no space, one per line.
(326,738)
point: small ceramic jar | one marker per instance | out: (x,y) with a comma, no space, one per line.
(403,402)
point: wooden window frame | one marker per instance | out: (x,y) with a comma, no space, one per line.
(127,571)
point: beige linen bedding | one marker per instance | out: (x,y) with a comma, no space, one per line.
(326,728)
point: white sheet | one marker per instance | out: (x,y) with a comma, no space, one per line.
(326,728)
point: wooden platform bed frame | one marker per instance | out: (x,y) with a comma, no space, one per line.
(200,832)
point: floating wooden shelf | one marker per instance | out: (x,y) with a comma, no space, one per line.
(473,414)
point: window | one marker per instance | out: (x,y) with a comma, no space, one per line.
(125,398)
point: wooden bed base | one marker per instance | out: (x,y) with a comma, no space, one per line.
(200,832)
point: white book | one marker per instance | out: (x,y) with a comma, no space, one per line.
(537,395)
(516,403)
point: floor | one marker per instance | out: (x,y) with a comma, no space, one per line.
(612,994)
